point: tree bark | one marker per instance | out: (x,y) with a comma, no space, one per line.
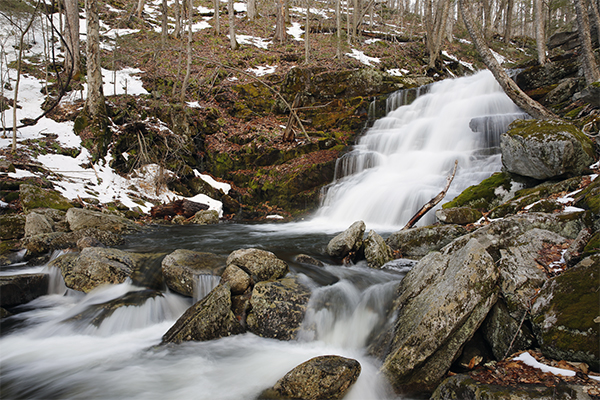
(232,42)
(72,55)
(217,17)
(164,23)
(530,106)
(436,30)
(177,19)
(188,69)
(306,34)
(540,36)
(590,68)
(338,25)
(596,15)
(251,10)
(140,8)
(280,33)
(95,95)
(508,22)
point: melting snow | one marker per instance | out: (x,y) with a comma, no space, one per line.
(528,359)
(252,40)
(360,56)
(296,31)
(262,70)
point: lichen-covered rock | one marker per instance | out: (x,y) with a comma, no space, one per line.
(79,218)
(545,149)
(238,280)
(96,266)
(377,252)
(458,215)
(35,197)
(181,267)
(261,265)
(442,301)
(323,377)
(417,242)
(210,318)
(464,387)
(306,259)
(41,244)
(348,241)
(278,308)
(36,224)
(564,316)
(21,289)
(490,193)
(205,217)
(12,226)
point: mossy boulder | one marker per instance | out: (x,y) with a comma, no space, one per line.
(12,226)
(261,265)
(490,193)
(545,149)
(35,197)
(458,215)
(205,217)
(418,242)
(564,316)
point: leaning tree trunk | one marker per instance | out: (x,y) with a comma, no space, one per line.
(540,36)
(530,106)
(590,68)
(72,55)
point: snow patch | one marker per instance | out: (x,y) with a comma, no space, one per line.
(296,31)
(528,359)
(253,41)
(262,70)
(360,56)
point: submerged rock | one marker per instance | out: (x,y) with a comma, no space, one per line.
(261,265)
(21,289)
(181,267)
(210,318)
(564,316)
(348,241)
(278,308)
(323,377)
(544,150)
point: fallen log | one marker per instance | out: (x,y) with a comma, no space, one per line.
(184,207)
(433,202)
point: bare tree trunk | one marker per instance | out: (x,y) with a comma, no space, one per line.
(95,96)
(509,19)
(307,34)
(590,68)
(164,23)
(355,18)
(286,7)
(217,17)
(251,10)
(140,8)
(338,25)
(280,33)
(72,55)
(487,12)
(188,69)
(436,27)
(511,89)
(177,19)
(232,42)
(540,36)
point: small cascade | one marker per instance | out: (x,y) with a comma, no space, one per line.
(56,283)
(380,107)
(203,285)
(492,126)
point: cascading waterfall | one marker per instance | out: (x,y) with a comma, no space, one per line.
(203,284)
(403,160)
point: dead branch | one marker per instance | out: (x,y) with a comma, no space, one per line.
(433,202)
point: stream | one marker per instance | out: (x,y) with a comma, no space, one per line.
(46,352)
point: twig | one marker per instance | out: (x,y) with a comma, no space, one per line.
(433,202)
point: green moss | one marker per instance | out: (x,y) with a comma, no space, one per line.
(573,113)
(480,196)
(593,246)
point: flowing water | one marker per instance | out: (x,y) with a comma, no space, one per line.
(65,346)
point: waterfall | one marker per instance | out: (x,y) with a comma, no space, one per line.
(402,161)
(203,284)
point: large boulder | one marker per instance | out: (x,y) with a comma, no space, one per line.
(417,242)
(205,217)
(564,316)
(81,219)
(323,377)
(181,268)
(36,224)
(45,242)
(443,300)
(96,266)
(238,280)
(377,252)
(348,241)
(458,215)
(21,289)
(278,308)
(35,197)
(544,149)
(261,265)
(210,318)
(12,226)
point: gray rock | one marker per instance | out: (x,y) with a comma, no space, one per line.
(12,226)
(377,252)
(238,280)
(590,94)
(278,308)
(181,267)
(205,217)
(88,241)
(81,219)
(544,150)
(442,302)
(96,266)
(57,218)
(417,242)
(41,244)
(21,289)
(564,315)
(464,387)
(458,215)
(210,318)
(323,377)
(573,254)
(564,91)
(4,313)
(348,241)
(36,224)
(305,259)
(261,265)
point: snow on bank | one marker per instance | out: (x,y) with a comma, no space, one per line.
(363,58)
(528,359)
